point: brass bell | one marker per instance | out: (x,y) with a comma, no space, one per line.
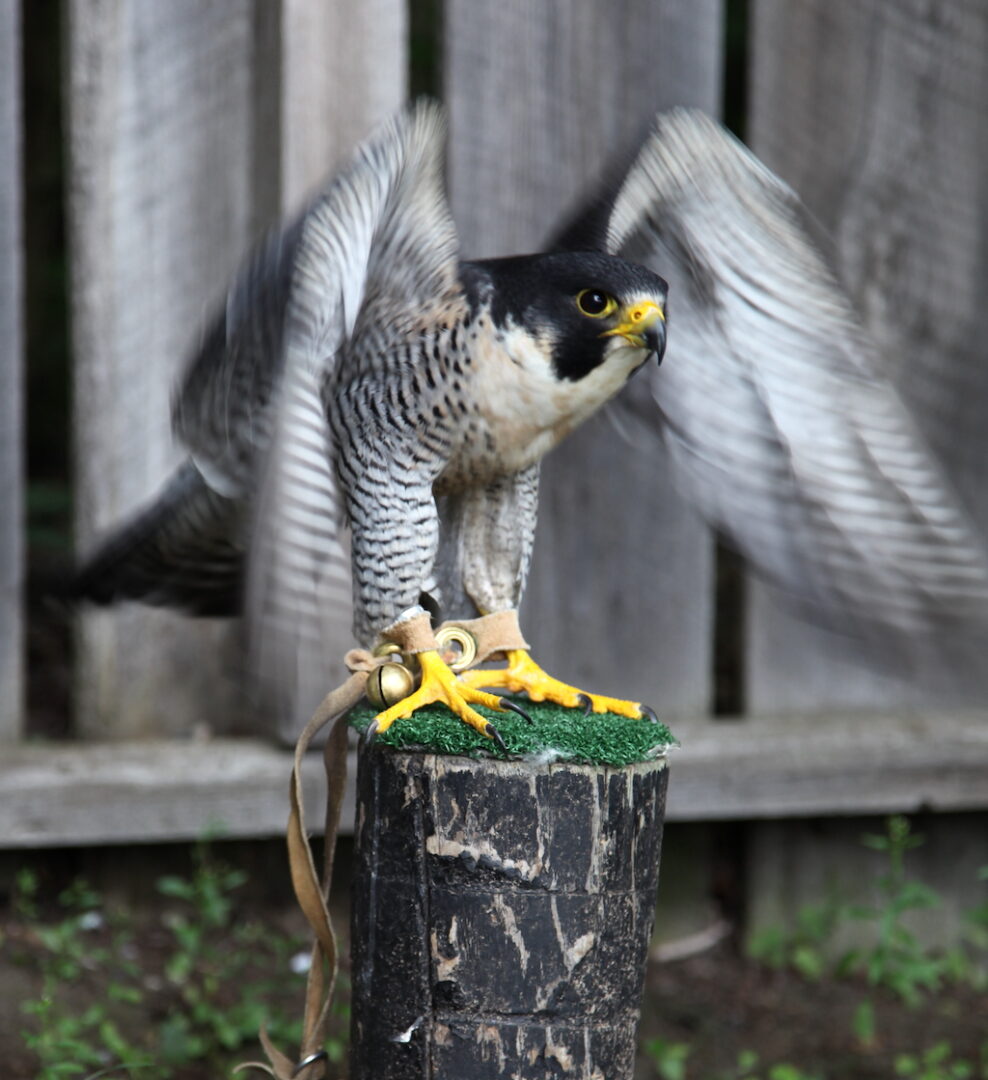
(389,684)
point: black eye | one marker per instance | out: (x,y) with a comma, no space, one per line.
(595,303)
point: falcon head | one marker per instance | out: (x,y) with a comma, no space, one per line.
(585,308)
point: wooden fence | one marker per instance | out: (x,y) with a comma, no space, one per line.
(191,124)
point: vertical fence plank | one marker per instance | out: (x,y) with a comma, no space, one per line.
(11,353)
(344,69)
(160,208)
(875,113)
(539,96)
(193,124)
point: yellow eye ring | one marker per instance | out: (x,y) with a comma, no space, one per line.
(594,303)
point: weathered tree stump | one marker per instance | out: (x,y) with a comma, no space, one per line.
(501,916)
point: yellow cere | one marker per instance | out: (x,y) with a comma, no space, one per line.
(638,318)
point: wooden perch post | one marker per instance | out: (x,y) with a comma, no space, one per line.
(502,912)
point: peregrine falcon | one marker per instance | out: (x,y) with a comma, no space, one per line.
(368,413)
(360,372)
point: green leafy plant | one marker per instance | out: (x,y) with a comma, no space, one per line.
(68,1042)
(864,1024)
(217,977)
(747,1068)
(804,947)
(968,964)
(938,1063)
(897,959)
(216,1008)
(894,959)
(668,1058)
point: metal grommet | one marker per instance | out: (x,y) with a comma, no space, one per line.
(457,647)
(319,1055)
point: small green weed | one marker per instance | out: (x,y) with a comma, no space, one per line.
(66,1042)
(894,959)
(897,959)
(669,1061)
(669,1058)
(804,948)
(747,1068)
(937,1063)
(964,968)
(209,993)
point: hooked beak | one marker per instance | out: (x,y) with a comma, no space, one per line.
(642,325)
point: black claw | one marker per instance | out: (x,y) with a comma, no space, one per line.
(586,702)
(369,736)
(492,731)
(648,713)
(507,703)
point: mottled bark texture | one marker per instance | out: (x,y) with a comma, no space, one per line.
(501,916)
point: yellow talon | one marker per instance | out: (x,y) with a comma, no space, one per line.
(523,674)
(439,684)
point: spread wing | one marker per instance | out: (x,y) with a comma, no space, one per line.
(220,412)
(185,547)
(379,239)
(785,431)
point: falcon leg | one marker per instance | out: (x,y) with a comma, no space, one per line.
(489,541)
(439,684)
(523,674)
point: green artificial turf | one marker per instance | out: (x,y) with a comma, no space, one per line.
(598,739)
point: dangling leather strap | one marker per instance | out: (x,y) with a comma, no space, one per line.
(313,894)
(412,633)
